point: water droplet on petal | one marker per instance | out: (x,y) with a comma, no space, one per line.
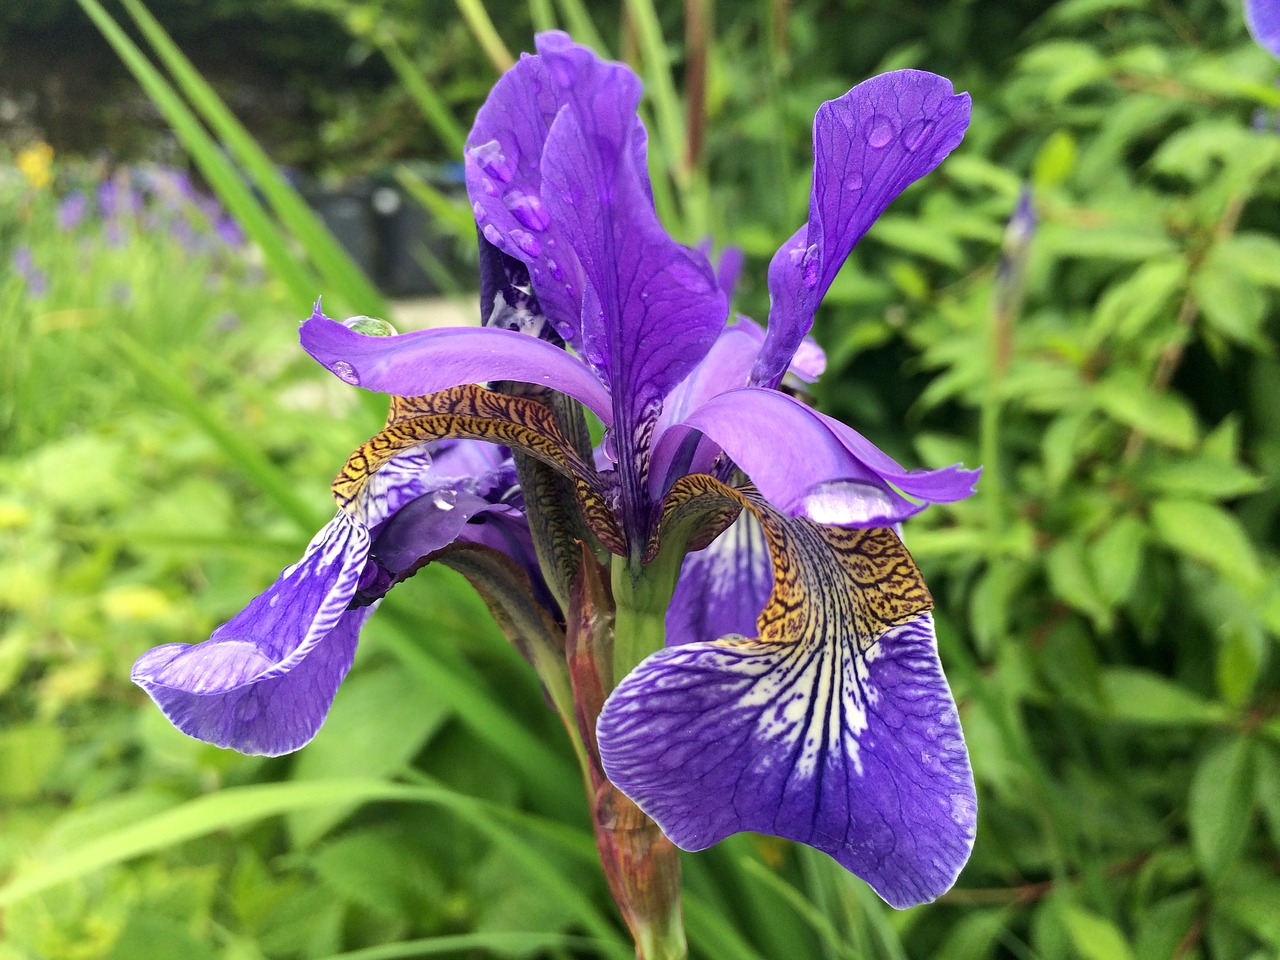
(563,328)
(526,242)
(568,288)
(854,183)
(477,208)
(880,131)
(490,158)
(492,234)
(811,266)
(247,710)
(345,372)
(914,134)
(609,444)
(556,272)
(528,210)
(370,326)
(445,499)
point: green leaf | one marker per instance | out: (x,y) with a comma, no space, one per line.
(1116,558)
(1253,256)
(1209,534)
(380,719)
(1140,696)
(920,238)
(1071,580)
(1220,805)
(1054,161)
(1164,417)
(1095,937)
(1200,477)
(1230,302)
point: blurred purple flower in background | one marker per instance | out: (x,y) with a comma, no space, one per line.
(1263,18)
(24,263)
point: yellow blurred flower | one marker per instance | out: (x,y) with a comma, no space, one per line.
(35,162)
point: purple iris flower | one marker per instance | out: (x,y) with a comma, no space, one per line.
(799,692)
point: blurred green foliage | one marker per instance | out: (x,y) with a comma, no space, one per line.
(1108,604)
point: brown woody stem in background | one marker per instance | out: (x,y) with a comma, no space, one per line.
(697,36)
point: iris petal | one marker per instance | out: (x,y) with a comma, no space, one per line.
(808,464)
(834,727)
(868,146)
(263,682)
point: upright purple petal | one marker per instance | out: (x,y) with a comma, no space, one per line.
(504,161)
(868,146)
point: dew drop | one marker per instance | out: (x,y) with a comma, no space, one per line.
(345,372)
(609,444)
(810,266)
(477,208)
(568,289)
(556,272)
(526,242)
(490,158)
(492,234)
(880,131)
(914,134)
(528,209)
(854,183)
(445,499)
(370,326)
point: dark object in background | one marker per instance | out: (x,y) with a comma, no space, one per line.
(388,233)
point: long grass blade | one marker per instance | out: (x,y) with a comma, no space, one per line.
(222,176)
(503,943)
(251,461)
(486,34)
(342,277)
(582,26)
(434,109)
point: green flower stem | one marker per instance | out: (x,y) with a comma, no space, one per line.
(641,593)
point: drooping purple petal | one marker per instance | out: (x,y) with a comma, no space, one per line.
(1263,18)
(807,464)
(722,588)
(264,681)
(868,146)
(859,754)
(428,361)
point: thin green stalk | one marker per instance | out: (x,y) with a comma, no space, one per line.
(249,459)
(542,15)
(340,273)
(581,25)
(223,178)
(662,89)
(486,34)
(434,110)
